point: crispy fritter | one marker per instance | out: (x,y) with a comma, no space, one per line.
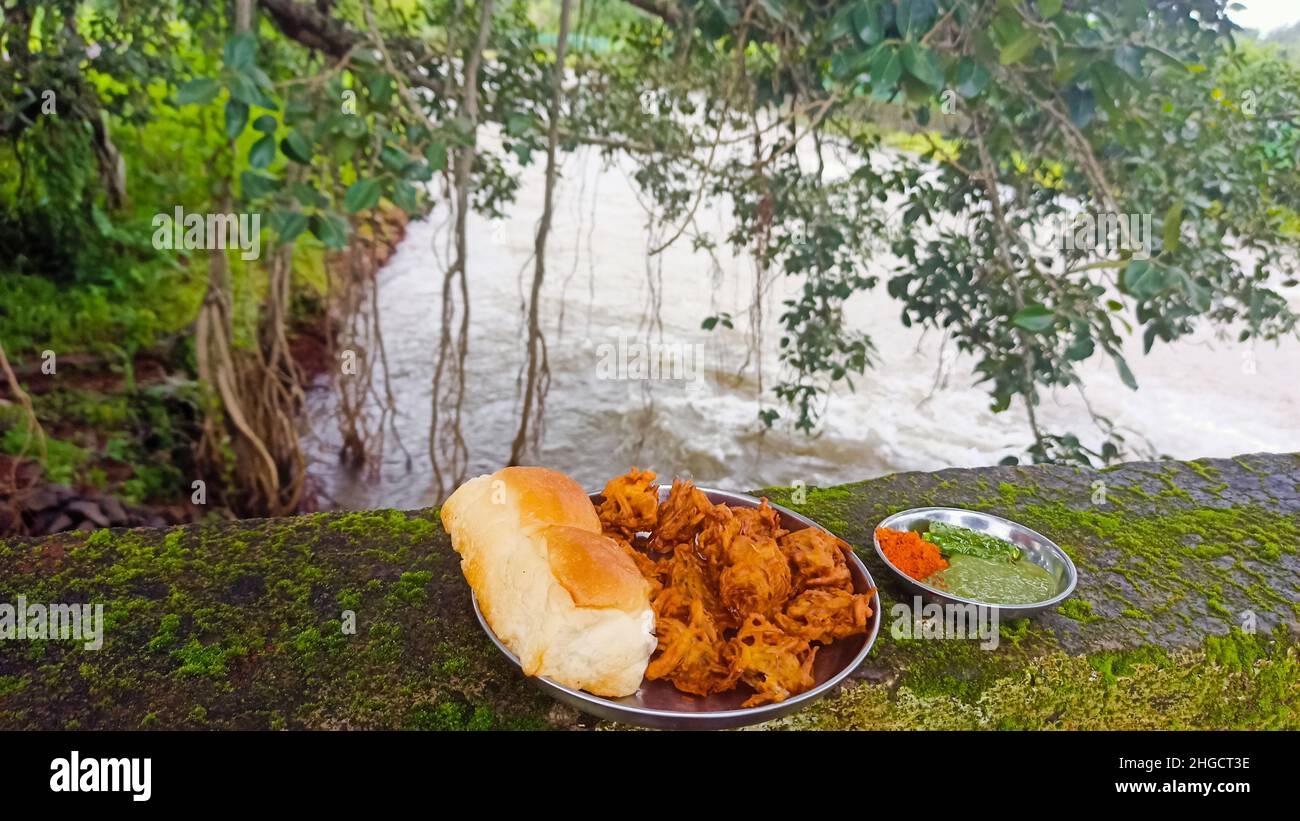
(756,579)
(692,654)
(631,504)
(775,664)
(826,614)
(685,581)
(818,559)
(724,524)
(652,569)
(681,516)
(736,597)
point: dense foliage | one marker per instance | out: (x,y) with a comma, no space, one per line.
(1030,113)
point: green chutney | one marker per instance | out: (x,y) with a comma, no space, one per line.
(994,581)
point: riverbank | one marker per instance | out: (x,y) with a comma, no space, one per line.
(120,427)
(1185,616)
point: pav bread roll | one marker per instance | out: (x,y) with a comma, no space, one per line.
(568,601)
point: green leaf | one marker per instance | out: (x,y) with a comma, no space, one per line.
(330,229)
(307,195)
(362,194)
(263,152)
(1142,279)
(1129,59)
(102,223)
(1167,58)
(914,17)
(288,225)
(342,150)
(1198,293)
(265,124)
(246,91)
(1081,105)
(1081,349)
(1036,318)
(1049,8)
(1125,374)
(381,89)
(406,197)
(923,64)
(517,125)
(261,79)
(353,127)
(971,78)
(236,118)
(886,67)
(1019,48)
(395,159)
(1173,224)
(297,147)
(239,51)
(199,91)
(866,24)
(437,156)
(256,186)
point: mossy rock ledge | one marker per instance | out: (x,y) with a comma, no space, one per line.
(1186,616)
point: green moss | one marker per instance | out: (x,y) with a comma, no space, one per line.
(11,684)
(1144,688)
(168,633)
(1078,609)
(201,660)
(244,620)
(1175,551)
(1237,651)
(450,715)
(378,524)
(826,506)
(410,588)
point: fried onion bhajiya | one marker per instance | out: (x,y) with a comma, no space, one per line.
(826,614)
(654,571)
(723,524)
(756,579)
(631,504)
(818,559)
(736,598)
(775,664)
(692,654)
(681,516)
(686,581)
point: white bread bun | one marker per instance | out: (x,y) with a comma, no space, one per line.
(564,598)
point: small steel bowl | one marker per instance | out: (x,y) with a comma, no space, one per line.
(660,705)
(1034,546)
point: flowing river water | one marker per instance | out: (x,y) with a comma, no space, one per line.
(919,408)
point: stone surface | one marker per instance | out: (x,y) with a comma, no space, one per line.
(1185,616)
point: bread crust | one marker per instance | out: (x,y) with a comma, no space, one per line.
(594,570)
(548,497)
(564,598)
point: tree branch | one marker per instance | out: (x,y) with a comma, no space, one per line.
(663,9)
(321,32)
